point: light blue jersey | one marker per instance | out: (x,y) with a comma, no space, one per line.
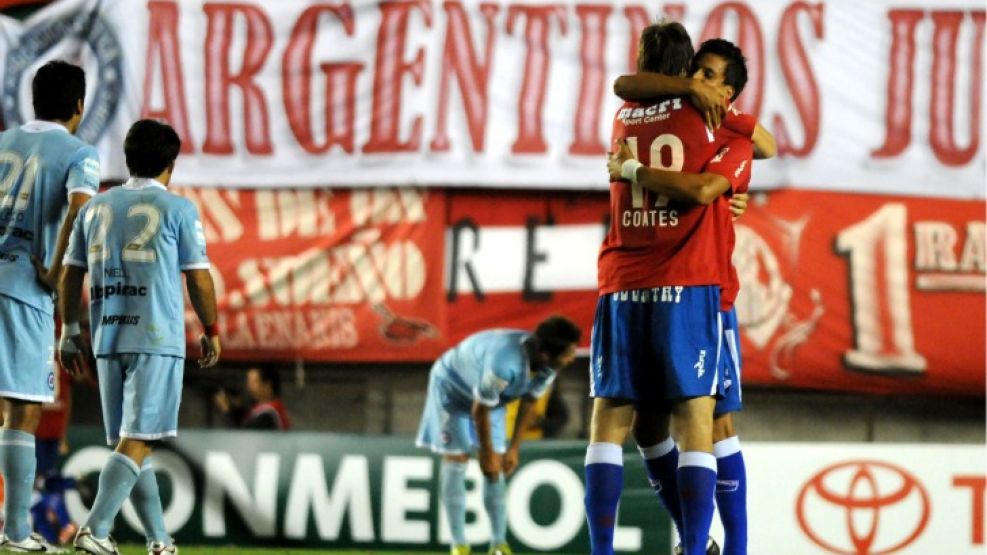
(491,367)
(41,164)
(135,240)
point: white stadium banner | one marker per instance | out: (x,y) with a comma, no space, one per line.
(880,96)
(860,499)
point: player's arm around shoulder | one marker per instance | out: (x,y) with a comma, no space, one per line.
(748,126)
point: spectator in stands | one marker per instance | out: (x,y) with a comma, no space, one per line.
(267,412)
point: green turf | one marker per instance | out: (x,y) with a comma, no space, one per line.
(183,550)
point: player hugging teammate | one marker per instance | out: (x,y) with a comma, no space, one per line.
(664,345)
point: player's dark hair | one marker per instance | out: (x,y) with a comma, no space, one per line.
(269,374)
(57,89)
(150,147)
(666,48)
(735,73)
(555,334)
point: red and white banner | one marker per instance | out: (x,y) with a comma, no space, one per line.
(879,96)
(858,499)
(326,275)
(840,292)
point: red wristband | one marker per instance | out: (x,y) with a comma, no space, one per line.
(212,330)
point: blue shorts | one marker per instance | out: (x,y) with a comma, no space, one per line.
(140,394)
(447,426)
(732,400)
(657,345)
(27,352)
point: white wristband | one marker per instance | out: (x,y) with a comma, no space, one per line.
(629,170)
(70,329)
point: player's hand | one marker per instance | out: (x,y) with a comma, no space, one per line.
(47,278)
(510,461)
(738,204)
(711,102)
(615,161)
(491,464)
(73,355)
(210,351)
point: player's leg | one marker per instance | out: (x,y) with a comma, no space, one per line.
(453,492)
(689,347)
(122,468)
(149,395)
(146,498)
(661,459)
(693,423)
(447,433)
(494,487)
(26,380)
(610,424)
(731,473)
(616,350)
(731,485)
(116,481)
(161,379)
(19,464)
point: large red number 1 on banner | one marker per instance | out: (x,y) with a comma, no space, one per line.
(876,248)
(675,164)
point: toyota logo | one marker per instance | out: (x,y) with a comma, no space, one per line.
(863,508)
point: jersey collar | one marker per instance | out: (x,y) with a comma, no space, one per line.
(38,126)
(138,183)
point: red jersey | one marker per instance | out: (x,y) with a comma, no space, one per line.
(733,161)
(276,409)
(654,241)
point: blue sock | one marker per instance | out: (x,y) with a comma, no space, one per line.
(604,481)
(731,495)
(453,476)
(147,501)
(18,467)
(697,486)
(115,482)
(493,500)
(662,463)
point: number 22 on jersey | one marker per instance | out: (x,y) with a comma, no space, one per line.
(135,250)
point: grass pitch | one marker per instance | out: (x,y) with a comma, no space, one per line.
(193,550)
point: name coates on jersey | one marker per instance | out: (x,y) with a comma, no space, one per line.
(657,215)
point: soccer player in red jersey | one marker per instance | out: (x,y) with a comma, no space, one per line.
(657,335)
(718,63)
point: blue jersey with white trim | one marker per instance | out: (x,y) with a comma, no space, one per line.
(135,240)
(491,367)
(41,164)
